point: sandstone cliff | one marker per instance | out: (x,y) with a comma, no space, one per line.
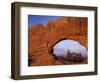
(42,37)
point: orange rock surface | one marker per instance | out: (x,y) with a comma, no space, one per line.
(42,37)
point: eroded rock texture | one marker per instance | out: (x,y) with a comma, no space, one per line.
(42,37)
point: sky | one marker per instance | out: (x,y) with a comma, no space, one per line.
(62,47)
(32,19)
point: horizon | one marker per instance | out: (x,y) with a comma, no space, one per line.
(33,19)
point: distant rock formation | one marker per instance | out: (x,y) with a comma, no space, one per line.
(42,37)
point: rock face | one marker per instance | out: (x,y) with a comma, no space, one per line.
(42,37)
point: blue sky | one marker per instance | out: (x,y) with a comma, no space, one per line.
(32,19)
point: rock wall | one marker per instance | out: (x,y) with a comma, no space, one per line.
(42,37)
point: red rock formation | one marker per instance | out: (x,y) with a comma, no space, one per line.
(41,38)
